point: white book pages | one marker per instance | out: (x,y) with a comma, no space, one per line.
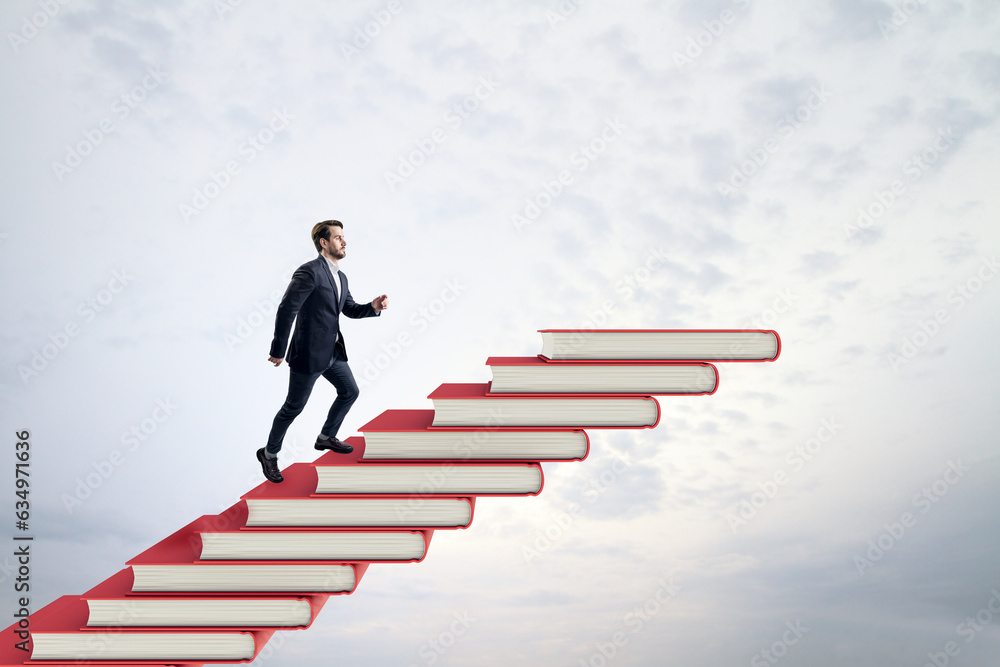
(195,646)
(576,412)
(602,378)
(242,578)
(312,546)
(429,512)
(660,345)
(274,612)
(472,445)
(443,479)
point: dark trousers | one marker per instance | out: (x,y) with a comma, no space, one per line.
(300,386)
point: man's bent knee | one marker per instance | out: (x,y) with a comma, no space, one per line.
(291,410)
(349,395)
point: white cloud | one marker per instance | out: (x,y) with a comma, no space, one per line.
(851,300)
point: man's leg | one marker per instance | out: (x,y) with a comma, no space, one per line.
(340,376)
(299,387)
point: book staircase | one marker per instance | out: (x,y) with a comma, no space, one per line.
(217,589)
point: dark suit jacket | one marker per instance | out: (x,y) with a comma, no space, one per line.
(311,299)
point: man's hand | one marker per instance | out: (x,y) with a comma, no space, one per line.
(380,303)
(275,360)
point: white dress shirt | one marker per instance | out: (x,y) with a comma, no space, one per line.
(335,272)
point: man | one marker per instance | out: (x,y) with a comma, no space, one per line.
(315,298)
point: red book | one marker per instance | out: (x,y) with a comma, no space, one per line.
(562,345)
(602,376)
(295,503)
(411,435)
(340,475)
(339,545)
(473,404)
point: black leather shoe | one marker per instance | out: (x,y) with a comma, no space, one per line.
(334,445)
(269,466)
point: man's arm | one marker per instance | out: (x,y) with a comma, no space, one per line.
(357,310)
(302,284)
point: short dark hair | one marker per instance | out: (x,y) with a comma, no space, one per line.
(321,230)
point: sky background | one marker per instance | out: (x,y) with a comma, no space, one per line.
(825,169)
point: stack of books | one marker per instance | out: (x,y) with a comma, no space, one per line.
(217,589)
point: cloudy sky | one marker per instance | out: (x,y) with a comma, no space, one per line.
(825,169)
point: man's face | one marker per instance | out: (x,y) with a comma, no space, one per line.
(336,246)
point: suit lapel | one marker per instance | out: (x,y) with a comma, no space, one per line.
(342,292)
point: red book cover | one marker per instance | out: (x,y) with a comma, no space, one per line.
(405,421)
(300,483)
(481,391)
(777,340)
(539,360)
(69,613)
(356,459)
(184,548)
